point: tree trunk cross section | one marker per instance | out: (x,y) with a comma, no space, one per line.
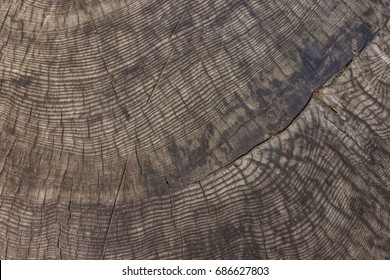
(200,129)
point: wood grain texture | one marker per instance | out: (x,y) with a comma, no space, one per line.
(194,129)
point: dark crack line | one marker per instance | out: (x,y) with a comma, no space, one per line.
(113,209)
(167,60)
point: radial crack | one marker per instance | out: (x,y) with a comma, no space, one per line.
(113,209)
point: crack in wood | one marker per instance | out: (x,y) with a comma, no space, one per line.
(121,183)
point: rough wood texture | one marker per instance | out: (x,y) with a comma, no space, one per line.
(194,129)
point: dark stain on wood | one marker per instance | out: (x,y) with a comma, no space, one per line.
(210,128)
(126,113)
(23,81)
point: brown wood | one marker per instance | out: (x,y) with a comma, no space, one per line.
(194,129)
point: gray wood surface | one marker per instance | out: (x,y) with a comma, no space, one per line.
(194,129)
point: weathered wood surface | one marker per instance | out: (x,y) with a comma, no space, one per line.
(194,129)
